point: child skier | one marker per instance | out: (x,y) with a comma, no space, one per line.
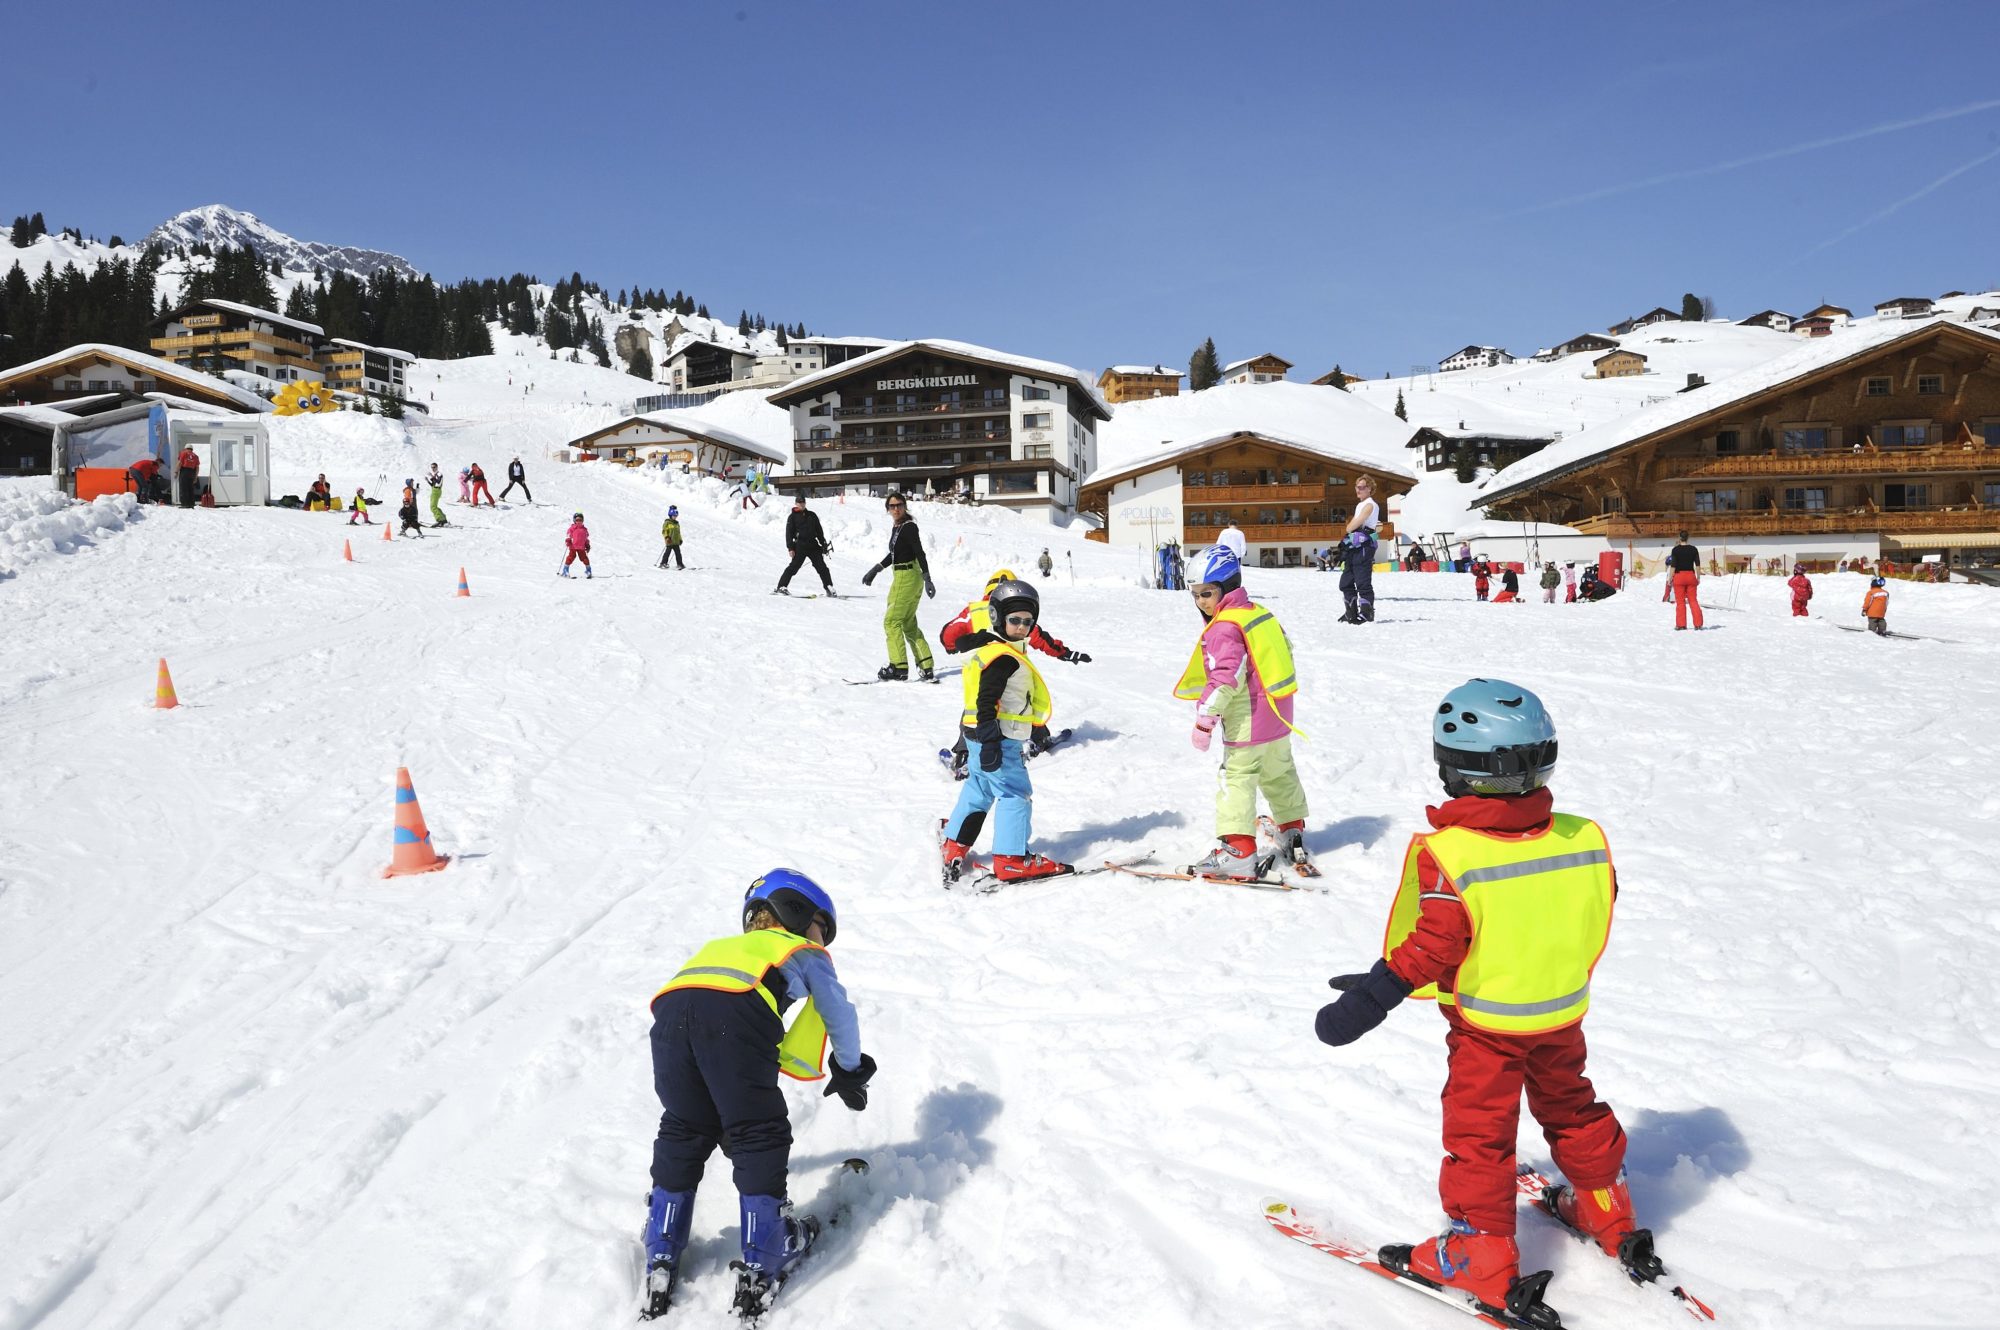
(1503,910)
(408,512)
(1482,573)
(670,532)
(1045,563)
(436,481)
(1241,679)
(1005,699)
(1551,579)
(973,628)
(578,543)
(719,1042)
(1569,582)
(1875,606)
(1802,589)
(360,513)
(465,484)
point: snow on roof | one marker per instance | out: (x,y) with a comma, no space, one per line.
(255,313)
(389,351)
(164,370)
(870,342)
(46,417)
(1145,369)
(1590,445)
(1143,435)
(743,420)
(1239,364)
(801,388)
(686,422)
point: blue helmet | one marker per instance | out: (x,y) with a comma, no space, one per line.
(1216,564)
(795,898)
(673,511)
(1492,737)
(1878,581)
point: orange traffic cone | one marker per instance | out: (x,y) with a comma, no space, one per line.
(413,852)
(388,532)
(163,689)
(463,589)
(347,550)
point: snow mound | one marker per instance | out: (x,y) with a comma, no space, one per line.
(37,522)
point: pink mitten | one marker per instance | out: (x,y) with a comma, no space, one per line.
(1204,732)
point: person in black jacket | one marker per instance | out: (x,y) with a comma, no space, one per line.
(912,575)
(517,475)
(1685,562)
(805,540)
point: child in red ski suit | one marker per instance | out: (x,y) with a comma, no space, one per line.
(1482,573)
(578,542)
(1509,966)
(1801,586)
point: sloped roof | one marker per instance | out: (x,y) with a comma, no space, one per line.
(798,390)
(1586,448)
(1151,370)
(164,371)
(1170,454)
(1268,355)
(680,422)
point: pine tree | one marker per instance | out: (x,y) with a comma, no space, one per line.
(743,324)
(19,237)
(1339,379)
(37,228)
(640,363)
(1402,412)
(392,406)
(701,311)
(1463,464)
(1691,308)
(1203,369)
(784,339)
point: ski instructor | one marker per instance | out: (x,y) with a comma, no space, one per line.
(1357,553)
(805,539)
(913,571)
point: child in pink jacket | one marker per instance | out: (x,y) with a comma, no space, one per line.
(578,541)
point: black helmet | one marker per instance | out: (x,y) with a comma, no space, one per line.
(576,517)
(1009,596)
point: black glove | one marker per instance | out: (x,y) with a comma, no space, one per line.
(851,1086)
(1365,999)
(868,578)
(989,757)
(929,589)
(1075,657)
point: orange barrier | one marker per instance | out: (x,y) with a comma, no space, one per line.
(388,532)
(347,550)
(413,852)
(463,589)
(92,481)
(164,698)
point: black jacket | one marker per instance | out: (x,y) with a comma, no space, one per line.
(515,471)
(803,532)
(1684,558)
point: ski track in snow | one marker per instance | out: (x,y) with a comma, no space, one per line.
(246,1081)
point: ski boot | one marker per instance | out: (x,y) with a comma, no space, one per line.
(831,593)
(925,674)
(1024,867)
(668,1214)
(1233,857)
(563,571)
(954,861)
(588,572)
(1603,1215)
(779,590)
(1485,1267)
(773,1243)
(893,674)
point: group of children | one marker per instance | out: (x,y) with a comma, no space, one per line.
(1502,909)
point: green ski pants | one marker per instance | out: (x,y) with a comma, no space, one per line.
(1245,771)
(437,512)
(899,622)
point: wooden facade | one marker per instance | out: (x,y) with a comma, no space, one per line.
(1619,364)
(1900,439)
(214,336)
(1131,383)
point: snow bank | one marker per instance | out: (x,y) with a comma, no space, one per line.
(38,522)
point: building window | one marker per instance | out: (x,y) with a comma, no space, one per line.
(1036,420)
(1992,493)
(1930,383)
(1034,394)
(1810,439)
(1199,479)
(1291,556)
(1290,476)
(822,463)
(1728,441)
(1704,501)
(1905,436)
(1036,451)
(1611,503)
(1798,500)
(994,398)
(1897,498)
(1014,482)
(990,428)
(1877,388)
(907,459)
(1991,430)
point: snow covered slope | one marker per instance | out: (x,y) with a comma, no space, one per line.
(218,225)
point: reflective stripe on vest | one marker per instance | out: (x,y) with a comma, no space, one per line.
(1540,910)
(979,614)
(1270,652)
(740,964)
(1039,705)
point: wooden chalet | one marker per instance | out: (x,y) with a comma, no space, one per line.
(94,368)
(1657,314)
(1587,342)
(1266,368)
(220,335)
(1137,383)
(1619,364)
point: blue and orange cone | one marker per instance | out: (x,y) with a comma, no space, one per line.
(413,852)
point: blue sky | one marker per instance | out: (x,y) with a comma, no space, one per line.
(1090,182)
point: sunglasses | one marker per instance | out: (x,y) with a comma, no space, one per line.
(1021,621)
(895,507)
(1206,595)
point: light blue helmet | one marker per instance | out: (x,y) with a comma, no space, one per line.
(1493,737)
(795,898)
(1217,564)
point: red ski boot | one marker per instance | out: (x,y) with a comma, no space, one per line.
(954,860)
(1603,1215)
(1485,1267)
(1022,867)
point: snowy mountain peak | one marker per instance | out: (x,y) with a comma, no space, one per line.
(218,224)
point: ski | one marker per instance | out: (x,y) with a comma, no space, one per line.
(1636,1257)
(938,677)
(1267,829)
(1907,637)
(949,760)
(978,874)
(1526,1312)
(755,1293)
(1254,883)
(1054,741)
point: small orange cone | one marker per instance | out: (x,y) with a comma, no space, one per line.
(163,689)
(413,852)
(347,550)
(388,533)
(463,589)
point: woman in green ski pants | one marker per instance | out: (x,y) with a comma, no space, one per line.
(913,570)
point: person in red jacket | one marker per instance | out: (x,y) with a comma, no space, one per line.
(189,465)
(973,628)
(147,486)
(479,487)
(1482,573)
(1502,913)
(1801,586)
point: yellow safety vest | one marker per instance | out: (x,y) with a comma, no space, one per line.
(1040,705)
(1541,914)
(738,964)
(1270,652)
(980,615)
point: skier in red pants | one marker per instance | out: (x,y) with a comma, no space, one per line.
(577,542)
(1509,965)
(1685,560)
(1802,589)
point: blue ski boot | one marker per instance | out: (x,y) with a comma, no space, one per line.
(773,1242)
(668,1214)
(563,571)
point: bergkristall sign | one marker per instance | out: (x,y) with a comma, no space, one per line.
(936,381)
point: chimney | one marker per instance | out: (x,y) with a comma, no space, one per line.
(1695,381)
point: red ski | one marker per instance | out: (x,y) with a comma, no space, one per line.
(1635,1256)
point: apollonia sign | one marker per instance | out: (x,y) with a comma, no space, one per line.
(936,381)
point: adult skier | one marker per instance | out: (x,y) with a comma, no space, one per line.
(1005,699)
(517,475)
(479,487)
(1241,679)
(1685,561)
(578,544)
(670,532)
(805,540)
(719,1043)
(436,481)
(973,628)
(1357,576)
(913,571)
(1502,912)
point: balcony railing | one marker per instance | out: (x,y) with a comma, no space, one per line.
(881,409)
(195,341)
(1869,461)
(1198,495)
(891,442)
(1282,533)
(1793,522)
